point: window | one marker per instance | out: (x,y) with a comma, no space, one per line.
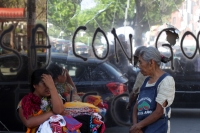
(111,70)
(165,65)
(60,61)
(99,75)
(75,71)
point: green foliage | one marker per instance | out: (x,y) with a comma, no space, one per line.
(52,31)
(61,14)
(12,3)
(106,15)
(158,12)
(87,39)
(83,39)
(41,11)
(67,15)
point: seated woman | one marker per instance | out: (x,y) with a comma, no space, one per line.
(155,97)
(85,113)
(63,82)
(42,103)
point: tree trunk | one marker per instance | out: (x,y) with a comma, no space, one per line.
(141,24)
(12,36)
(138,36)
(2,25)
(31,16)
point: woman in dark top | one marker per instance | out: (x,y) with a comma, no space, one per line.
(155,97)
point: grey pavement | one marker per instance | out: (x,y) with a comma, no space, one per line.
(182,121)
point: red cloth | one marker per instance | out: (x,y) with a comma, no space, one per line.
(103,128)
(56,128)
(103,105)
(95,121)
(30,104)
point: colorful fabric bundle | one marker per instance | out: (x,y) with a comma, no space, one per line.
(60,124)
(93,127)
(80,105)
(30,103)
(103,128)
(80,108)
(56,127)
(53,125)
(95,100)
(58,118)
(91,124)
(96,124)
(65,130)
(71,123)
(103,105)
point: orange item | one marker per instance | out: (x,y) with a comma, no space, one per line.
(12,12)
(76,105)
(94,99)
(33,130)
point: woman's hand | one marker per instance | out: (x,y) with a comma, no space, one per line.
(66,73)
(135,129)
(56,101)
(69,79)
(48,81)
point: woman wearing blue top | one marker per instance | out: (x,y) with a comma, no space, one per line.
(155,97)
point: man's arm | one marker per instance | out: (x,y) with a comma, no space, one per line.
(136,88)
(132,97)
(134,117)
